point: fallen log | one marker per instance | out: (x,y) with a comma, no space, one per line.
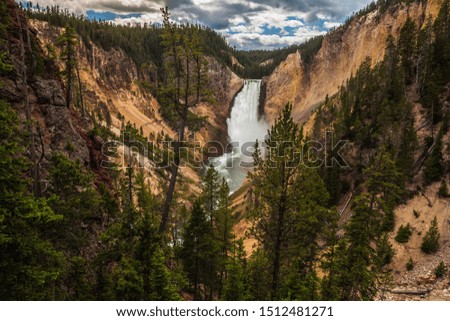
(410,291)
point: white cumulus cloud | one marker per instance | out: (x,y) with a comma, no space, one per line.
(248,24)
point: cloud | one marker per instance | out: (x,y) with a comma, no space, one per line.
(248,24)
(329,24)
(115,6)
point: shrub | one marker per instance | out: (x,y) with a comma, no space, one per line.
(70,147)
(385,252)
(410,264)
(403,234)
(443,191)
(430,242)
(440,270)
(434,170)
(416,214)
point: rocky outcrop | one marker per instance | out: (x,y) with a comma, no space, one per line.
(53,126)
(110,81)
(285,84)
(421,281)
(225,85)
(340,56)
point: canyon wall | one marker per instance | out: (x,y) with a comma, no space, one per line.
(343,51)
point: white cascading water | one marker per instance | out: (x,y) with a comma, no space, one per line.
(244,128)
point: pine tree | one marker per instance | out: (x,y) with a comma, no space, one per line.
(440,270)
(443,189)
(234,289)
(410,264)
(329,290)
(185,71)
(72,195)
(406,46)
(430,242)
(360,263)
(384,182)
(132,246)
(67,43)
(273,187)
(30,263)
(290,208)
(441,48)
(385,252)
(403,234)
(128,280)
(157,280)
(236,282)
(434,170)
(224,232)
(259,276)
(196,250)
(210,193)
(356,278)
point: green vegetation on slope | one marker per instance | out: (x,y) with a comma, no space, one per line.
(143,43)
(84,240)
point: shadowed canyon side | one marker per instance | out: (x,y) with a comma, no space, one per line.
(342,52)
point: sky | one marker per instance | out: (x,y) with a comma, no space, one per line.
(246,24)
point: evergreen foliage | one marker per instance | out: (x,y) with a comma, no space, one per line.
(207,241)
(410,264)
(91,238)
(403,233)
(67,43)
(430,242)
(142,42)
(440,270)
(434,169)
(30,264)
(443,190)
(290,209)
(361,255)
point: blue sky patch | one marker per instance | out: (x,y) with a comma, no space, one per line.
(97,15)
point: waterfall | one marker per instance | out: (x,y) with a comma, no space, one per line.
(245,126)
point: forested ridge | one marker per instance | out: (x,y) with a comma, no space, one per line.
(75,231)
(142,42)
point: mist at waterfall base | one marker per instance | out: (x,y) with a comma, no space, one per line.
(245,126)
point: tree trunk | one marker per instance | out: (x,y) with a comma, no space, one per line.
(176,162)
(173,178)
(278,238)
(24,76)
(224,250)
(130,192)
(69,75)
(276,260)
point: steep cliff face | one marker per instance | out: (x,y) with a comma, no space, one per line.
(112,80)
(225,85)
(341,54)
(421,282)
(37,94)
(113,85)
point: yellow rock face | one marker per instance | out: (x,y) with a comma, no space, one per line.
(342,52)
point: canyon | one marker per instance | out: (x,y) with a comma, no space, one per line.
(241,111)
